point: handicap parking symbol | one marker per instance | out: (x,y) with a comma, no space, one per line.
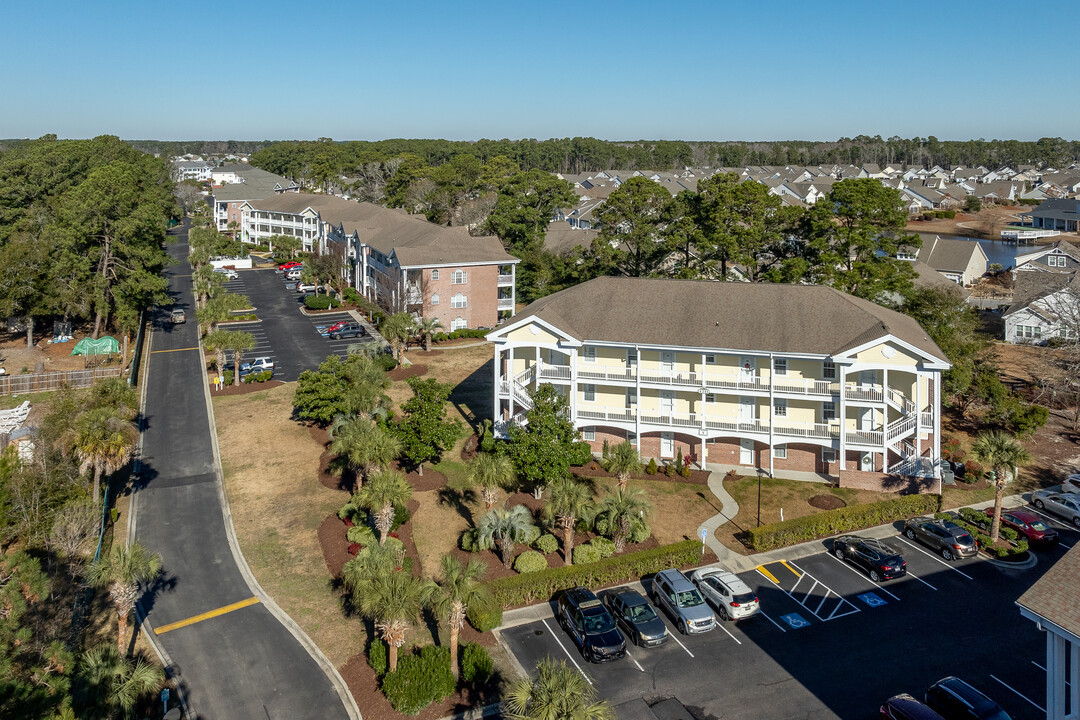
(795,621)
(872,600)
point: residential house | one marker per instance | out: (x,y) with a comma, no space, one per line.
(1053,313)
(1057,214)
(756,375)
(962,261)
(1062,257)
(198,170)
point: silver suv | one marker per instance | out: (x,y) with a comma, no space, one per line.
(678,597)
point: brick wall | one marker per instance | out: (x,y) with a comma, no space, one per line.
(883,482)
(481,290)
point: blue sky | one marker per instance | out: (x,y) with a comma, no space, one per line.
(731,70)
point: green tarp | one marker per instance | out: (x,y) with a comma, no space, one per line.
(101,346)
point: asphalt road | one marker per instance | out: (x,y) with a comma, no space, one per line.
(243,663)
(832,644)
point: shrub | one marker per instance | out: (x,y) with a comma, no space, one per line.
(950,214)
(605,547)
(386,361)
(476,664)
(585,554)
(350,513)
(264,375)
(580,454)
(420,680)
(546,543)
(685,471)
(401,516)
(669,470)
(972,471)
(532,534)
(486,615)
(361,534)
(354,548)
(530,561)
(832,522)
(228,377)
(639,532)
(525,589)
(351,296)
(468,541)
(651,467)
(376,656)
(322,302)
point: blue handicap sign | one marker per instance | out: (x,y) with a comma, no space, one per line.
(872,599)
(795,620)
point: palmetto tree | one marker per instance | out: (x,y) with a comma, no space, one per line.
(364,445)
(220,308)
(504,527)
(384,492)
(490,472)
(239,342)
(1002,452)
(555,692)
(392,602)
(459,587)
(367,384)
(623,461)
(217,342)
(623,509)
(425,328)
(121,571)
(568,501)
(397,330)
(371,563)
(108,681)
(102,439)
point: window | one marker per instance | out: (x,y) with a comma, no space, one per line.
(828,411)
(779,452)
(710,359)
(589,392)
(631,437)
(781,366)
(828,370)
(631,397)
(710,398)
(631,358)
(589,353)
(459,277)
(1028,332)
(588,434)
(458,324)
(434,274)
(779,407)
(459,301)
(435,299)
(828,455)
(1055,260)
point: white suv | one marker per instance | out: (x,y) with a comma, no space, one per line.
(1071,484)
(731,597)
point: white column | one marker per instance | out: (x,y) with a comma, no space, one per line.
(498,380)
(885,420)
(573,385)
(772,409)
(704,391)
(513,289)
(637,391)
(842,413)
(510,377)
(937,424)
(918,412)
(1055,677)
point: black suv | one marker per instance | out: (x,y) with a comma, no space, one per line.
(954,699)
(879,560)
(591,626)
(350,330)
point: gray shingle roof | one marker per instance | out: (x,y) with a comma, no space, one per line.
(948,254)
(1057,209)
(1056,595)
(809,319)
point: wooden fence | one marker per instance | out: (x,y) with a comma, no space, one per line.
(44,382)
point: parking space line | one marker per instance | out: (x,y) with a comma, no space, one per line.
(772,621)
(807,595)
(785,564)
(675,637)
(840,604)
(828,591)
(823,599)
(921,580)
(635,660)
(567,652)
(863,577)
(1041,708)
(768,575)
(719,625)
(932,556)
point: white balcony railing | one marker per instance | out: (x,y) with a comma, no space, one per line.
(783,429)
(866,393)
(506,303)
(604,375)
(506,280)
(926,420)
(554,372)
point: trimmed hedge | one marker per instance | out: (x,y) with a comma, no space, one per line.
(530,561)
(322,302)
(524,589)
(463,333)
(833,522)
(476,664)
(580,454)
(377,656)
(484,615)
(420,680)
(546,543)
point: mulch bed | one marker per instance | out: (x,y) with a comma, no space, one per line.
(334,546)
(430,480)
(826,502)
(593,469)
(404,372)
(244,388)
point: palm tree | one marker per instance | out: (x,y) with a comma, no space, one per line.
(206,283)
(1002,452)
(220,308)
(106,680)
(568,501)
(623,509)
(459,587)
(371,563)
(217,342)
(393,601)
(384,492)
(623,461)
(425,328)
(490,472)
(504,527)
(102,439)
(556,692)
(239,342)
(397,330)
(121,571)
(364,445)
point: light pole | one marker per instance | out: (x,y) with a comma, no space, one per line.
(759,473)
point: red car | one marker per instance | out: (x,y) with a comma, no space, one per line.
(291,264)
(334,327)
(1028,524)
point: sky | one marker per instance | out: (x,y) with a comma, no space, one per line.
(683,70)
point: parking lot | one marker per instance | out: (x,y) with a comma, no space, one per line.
(829,643)
(291,338)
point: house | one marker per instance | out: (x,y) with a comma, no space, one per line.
(962,261)
(1061,257)
(1053,313)
(1053,604)
(230,174)
(399,261)
(756,375)
(198,170)
(1056,214)
(252,184)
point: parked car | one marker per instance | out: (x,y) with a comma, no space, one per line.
(349,330)
(303,287)
(731,597)
(258,365)
(954,699)
(1064,505)
(291,264)
(905,707)
(678,597)
(636,617)
(1071,484)
(227,272)
(877,559)
(336,326)
(293,274)
(946,537)
(178,317)
(590,625)
(1028,524)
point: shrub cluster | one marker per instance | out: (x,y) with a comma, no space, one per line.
(523,589)
(476,664)
(377,656)
(322,302)
(361,534)
(420,679)
(832,522)
(484,615)
(976,527)
(463,333)
(530,561)
(386,361)
(580,454)
(261,376)
(546,543)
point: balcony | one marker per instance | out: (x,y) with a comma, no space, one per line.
(553,372)
(506,304)
(506,280)
(783,430)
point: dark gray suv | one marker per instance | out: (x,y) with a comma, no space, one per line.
(947,538)
(678,597)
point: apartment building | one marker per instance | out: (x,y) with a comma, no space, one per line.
(190,170)
(400,261)
(777,377)
(236,184)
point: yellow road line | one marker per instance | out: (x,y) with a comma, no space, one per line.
(205,616)
(174,350)
(761,569)
(797,573)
